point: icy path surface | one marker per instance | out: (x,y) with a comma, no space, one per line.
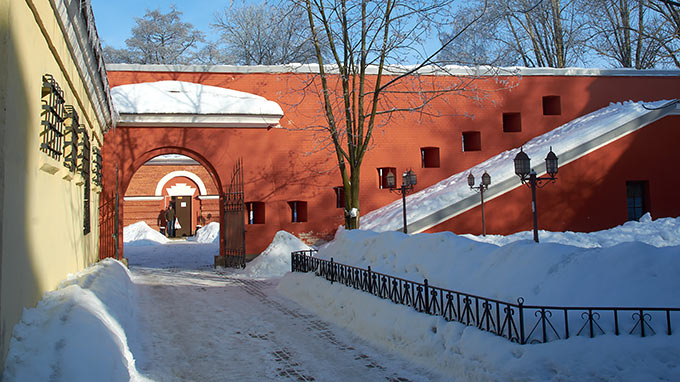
(204,326)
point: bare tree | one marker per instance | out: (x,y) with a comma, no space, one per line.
(159,38)
(668,35)
(262,34)
(364,81)
(542,33)
(621,32)
(480,43)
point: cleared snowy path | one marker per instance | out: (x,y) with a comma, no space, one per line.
(203,326)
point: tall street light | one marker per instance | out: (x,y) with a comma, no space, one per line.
(486,181)
(528,177)
(408,181)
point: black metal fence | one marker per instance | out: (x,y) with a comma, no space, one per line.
(516,322)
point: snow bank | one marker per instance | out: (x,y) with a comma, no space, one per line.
(275,260)
(501,167)
(627,274)
(618,273)
(141,234)
(466,354)
(207,234)
(83,331)
(663,232)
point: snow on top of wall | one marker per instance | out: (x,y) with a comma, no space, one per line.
(179,97)
(393,69)
(501,167)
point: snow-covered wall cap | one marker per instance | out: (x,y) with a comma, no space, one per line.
(570,141)
(395,69)
(178,97)
(187,104)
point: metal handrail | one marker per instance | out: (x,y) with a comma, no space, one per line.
(516,322)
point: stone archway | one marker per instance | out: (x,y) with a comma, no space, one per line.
(206,123)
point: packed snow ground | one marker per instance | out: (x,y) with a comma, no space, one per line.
(500,167)
(172,317)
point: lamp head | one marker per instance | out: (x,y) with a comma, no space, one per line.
(551,163)
(522,164)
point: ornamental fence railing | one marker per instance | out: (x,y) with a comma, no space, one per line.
(517,322)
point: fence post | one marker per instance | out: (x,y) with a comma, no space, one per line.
(370,280)
(521,320)
(332,271)
(427,298)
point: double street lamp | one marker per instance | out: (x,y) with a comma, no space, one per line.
(486,181)
(408,181)
(528,177)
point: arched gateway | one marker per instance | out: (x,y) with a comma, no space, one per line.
(199,121)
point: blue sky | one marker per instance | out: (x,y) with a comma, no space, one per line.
(115,18)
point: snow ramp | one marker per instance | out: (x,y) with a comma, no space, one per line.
(571,141)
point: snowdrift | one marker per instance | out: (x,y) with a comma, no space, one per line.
(617,273)
(626,274)
(663,232)
(82,331)
(141,234)
(207,234)
(275,260)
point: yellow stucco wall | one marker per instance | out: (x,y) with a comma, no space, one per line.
(42,213)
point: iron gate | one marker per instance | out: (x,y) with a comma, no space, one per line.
(234,220)
(109,225)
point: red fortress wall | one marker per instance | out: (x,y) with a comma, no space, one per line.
(281,164)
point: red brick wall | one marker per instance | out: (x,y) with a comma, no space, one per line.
(145,179)
(282,165)
(144,182)
(590,193)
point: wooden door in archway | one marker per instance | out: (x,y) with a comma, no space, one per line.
(183,211)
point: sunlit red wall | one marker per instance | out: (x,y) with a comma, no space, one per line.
(590,193)
(282,165)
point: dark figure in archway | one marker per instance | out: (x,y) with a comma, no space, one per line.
(170,220)
(162,222)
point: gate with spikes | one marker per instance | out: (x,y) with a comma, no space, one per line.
(234,220)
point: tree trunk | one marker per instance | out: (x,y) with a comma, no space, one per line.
(352,210)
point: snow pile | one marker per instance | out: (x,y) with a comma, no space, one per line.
(617,274)
(81,332)
(207,234)
(178,97)
(275,260)
(663,232)
(627,274)
(465,353)
(500,167)
(141,234)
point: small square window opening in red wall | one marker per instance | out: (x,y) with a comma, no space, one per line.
(255,211)
(472,141)
(339,196)
(430,157)
(298,211)
(552,105)
(382,176)
(512,122)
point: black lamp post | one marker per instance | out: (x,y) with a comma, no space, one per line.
(528,176)
(486,181)
(408,181)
